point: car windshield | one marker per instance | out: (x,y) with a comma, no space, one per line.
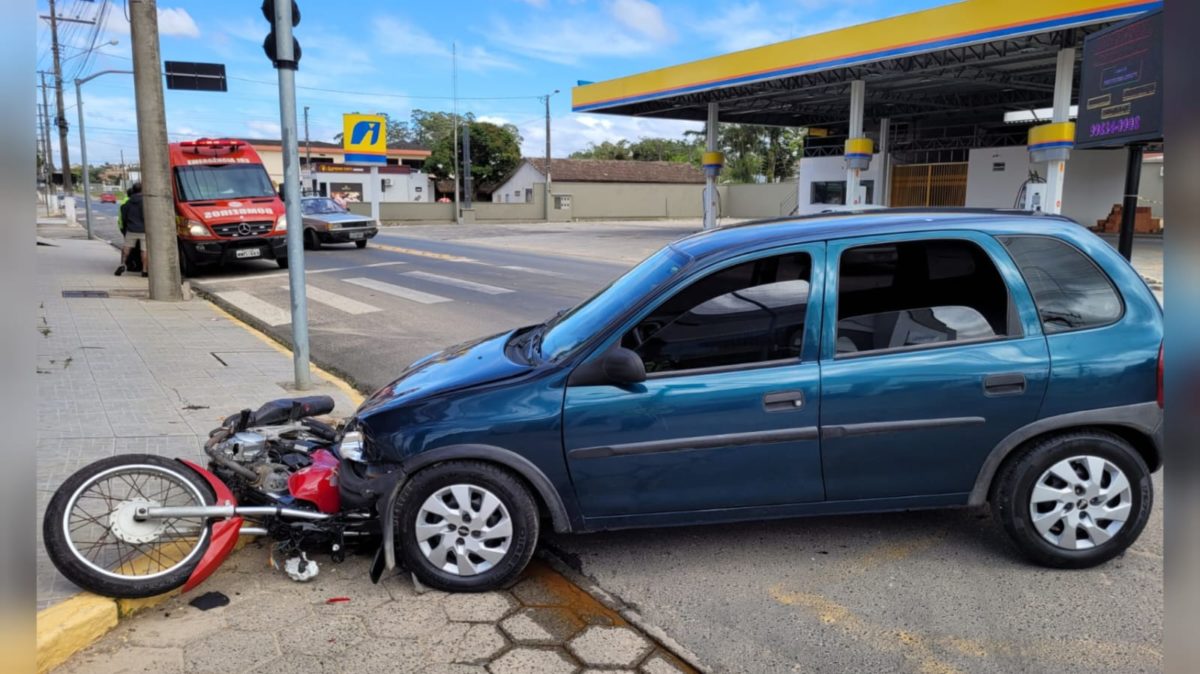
(223,181)
(321,206)
(574,327)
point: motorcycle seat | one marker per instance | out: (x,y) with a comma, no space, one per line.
(279,411)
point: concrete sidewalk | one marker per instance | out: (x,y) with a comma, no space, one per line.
(120,374)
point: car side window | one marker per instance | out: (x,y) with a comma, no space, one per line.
(749,313)
(915,293)
(1070,291)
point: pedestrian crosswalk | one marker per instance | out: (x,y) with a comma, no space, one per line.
(345,296)
(458,282)
(398,291)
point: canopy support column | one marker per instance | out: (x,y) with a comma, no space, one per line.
(1056,170)
(710,172)
(858,99)
(885,166)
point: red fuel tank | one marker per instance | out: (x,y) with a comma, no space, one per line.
(317,483)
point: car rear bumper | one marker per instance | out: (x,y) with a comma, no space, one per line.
(348,235)
(217,251)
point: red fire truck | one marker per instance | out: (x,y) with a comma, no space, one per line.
(226,208)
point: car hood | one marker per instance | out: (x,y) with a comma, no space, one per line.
(337,217)
(459,367)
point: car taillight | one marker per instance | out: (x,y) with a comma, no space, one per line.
(1160,376)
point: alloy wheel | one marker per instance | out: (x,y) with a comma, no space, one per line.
(463,529)
(1081,502)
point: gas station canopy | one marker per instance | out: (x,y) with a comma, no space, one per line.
(944,77)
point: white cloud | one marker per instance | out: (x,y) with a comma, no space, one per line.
(264,129)
(535,3)
(747,25)
(399,36)
(172,21)
(642,17)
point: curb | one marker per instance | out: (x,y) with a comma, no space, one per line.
(73,624)
(557,561)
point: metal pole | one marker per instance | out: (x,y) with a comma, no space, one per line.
(1133,178)
(87,191)
(307,145)
(885,169)
(547,204)
(858,100)
(291,192)
(468,183)
(162,252)
(1056,171)
(61,119)
(710,179)
(87,185)
(454,132)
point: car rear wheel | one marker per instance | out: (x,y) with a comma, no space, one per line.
(1074,500)
(465,526)
(360,244)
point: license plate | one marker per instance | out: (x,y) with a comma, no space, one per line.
(357,235)
(242,253)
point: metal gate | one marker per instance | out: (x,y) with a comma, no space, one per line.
(929,185)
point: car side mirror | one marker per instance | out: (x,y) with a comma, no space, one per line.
(617,367)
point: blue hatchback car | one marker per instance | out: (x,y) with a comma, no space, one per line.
(850,363)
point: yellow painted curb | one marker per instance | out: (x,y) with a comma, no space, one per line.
(71,625)
(355,397)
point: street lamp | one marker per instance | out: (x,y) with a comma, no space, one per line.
(87,187)
(85,52)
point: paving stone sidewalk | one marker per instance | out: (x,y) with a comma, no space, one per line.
(340,622)
(121,374)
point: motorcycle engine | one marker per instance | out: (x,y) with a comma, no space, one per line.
(271,453)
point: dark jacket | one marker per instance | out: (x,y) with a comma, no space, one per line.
(131,214)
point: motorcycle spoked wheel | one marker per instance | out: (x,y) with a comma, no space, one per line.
(93,539)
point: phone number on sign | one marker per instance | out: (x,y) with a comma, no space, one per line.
(1113,127)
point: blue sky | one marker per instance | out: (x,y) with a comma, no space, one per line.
(394,56)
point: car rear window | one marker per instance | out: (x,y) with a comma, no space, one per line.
(1070,291)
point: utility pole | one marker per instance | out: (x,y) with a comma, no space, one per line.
(124,173)
(48,151)
(454,133)
(546,99)
(161,250)
(285,58)
(468,183)
(61,118)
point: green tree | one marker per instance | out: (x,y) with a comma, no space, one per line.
(605,150)
(495,152)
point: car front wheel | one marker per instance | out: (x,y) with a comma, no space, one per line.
(465,526)
(1074,500)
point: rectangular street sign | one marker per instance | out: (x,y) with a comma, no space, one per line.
(195,76)
(1121,85)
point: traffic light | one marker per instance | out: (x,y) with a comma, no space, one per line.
(270,44)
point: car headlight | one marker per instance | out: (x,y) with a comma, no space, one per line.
(281,223)
(351,447)
(197,228)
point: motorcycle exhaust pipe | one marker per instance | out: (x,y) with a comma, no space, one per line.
(252,531)
(226,511)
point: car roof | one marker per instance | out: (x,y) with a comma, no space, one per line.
(757,234)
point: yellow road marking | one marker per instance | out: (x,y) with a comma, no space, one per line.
(421,253)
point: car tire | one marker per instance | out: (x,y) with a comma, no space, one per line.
(360,244)
(1071,530)
(282,262)
(434,490)
(311,240)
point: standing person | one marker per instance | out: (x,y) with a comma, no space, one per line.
(131,215)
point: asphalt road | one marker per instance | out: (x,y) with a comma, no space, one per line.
(933,592)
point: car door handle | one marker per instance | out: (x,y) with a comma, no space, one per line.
(783,401)
(1009,384)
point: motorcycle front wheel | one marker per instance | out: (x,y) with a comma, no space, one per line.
(94,539)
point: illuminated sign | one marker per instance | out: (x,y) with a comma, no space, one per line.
(364,138)
(1120,90)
